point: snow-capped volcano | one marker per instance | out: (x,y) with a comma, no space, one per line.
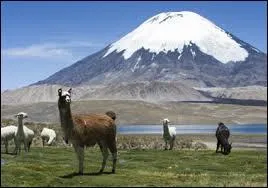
(171,31)
(171,47)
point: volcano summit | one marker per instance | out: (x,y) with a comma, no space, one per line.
(171,47)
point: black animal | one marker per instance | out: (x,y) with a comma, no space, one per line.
(222,135)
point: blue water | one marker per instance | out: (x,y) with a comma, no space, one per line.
(192,129)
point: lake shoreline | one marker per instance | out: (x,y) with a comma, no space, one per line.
(192,129)
(191,124)
(240,142)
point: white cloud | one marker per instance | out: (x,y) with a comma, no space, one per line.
(49,50)
(37,51)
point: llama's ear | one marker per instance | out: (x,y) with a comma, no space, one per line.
(60,91)
(70,90)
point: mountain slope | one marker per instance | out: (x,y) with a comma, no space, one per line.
(250,92)
(154,92)
(172,46)
(37,93)
(163,59)
(142,112)
(148,91)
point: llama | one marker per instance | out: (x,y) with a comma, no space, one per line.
(169,134)
(23,134)
(8,133)
(87,130)
(222,135)
(48,135)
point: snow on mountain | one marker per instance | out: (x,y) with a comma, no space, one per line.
(149,62)
(166,47)
(170,31)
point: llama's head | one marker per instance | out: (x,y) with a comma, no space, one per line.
(21,115)
(220,124)
(111,114)
(64,98)
(166,121)
(228,148)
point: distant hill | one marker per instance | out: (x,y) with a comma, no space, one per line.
(142,112)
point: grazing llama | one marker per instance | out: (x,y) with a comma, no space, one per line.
(222,135)
(23,134)
(87,130)
(48,135)
(169,134)
(8,133)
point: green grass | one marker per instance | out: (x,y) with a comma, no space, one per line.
(50,166)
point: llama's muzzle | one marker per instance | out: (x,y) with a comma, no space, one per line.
(65,140)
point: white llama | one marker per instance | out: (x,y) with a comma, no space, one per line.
(48,135)
(23,134)
(7,134)
(169,134)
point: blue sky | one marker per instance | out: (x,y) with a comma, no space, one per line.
(40,38)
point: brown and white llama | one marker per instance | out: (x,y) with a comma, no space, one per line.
(88,130)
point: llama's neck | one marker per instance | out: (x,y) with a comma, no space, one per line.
(20,125)
(225,142)
(165,128)
(66,121)
(51,138)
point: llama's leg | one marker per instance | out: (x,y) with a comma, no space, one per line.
(166,145)
(171,144)
(29,145)
(218,144)
(221,148)
(6,145)
(19,146)
(43,141)
(105,154)
(25,146)
(80,154)
(16,146)
(113,150)
(15,149)
(224,150)
(114,154)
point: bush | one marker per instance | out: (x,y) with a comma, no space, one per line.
(6,122)
(129,142)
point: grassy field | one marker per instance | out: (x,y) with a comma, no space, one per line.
(55,166)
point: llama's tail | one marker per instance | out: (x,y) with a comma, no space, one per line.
(111,114)
(29,145)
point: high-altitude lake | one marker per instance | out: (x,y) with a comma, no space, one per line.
(192,129)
